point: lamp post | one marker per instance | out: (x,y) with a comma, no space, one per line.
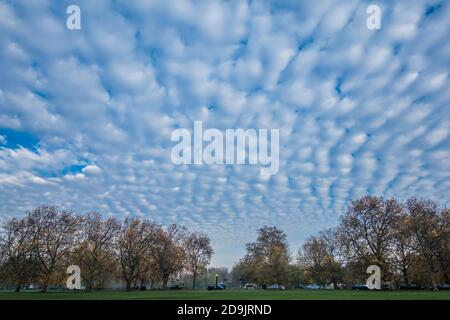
(217,278)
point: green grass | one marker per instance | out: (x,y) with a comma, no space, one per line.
(228,295)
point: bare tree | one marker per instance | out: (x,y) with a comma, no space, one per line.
(366,231)
(95,253)
(168,253)
(404,253)
(313,258)
(198,254)
(428,233)
(319,257)
(268,257)
(133,246)
(53,234)
(443,254)
(16,253)
(330,238)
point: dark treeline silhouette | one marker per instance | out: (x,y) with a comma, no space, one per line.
(409,241)
(38,248)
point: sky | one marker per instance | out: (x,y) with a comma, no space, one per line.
(86,115)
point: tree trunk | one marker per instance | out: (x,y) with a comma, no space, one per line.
(432,271)
(164,284)
(444,266)
(194,278)
(17,288)
(433,281)
(44,287)
(128,285)
(405,276)
(90,284)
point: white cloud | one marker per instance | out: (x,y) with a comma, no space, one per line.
(92,169)
(359,110)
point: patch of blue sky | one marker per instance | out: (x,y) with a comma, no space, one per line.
(16,139)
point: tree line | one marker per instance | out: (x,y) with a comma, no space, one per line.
(37,249)
(409,241)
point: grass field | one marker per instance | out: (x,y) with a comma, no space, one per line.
(229,295)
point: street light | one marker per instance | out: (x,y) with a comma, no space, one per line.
(217,278)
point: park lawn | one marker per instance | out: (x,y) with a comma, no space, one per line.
(228,295)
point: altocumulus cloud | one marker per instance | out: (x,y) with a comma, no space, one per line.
(86,115)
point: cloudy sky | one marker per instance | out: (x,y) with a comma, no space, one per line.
(86,115)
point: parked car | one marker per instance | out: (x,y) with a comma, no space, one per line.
(250,286)
(175,287)
(313,287)
(276,287)
(299,286)
(358,287)
(444,287)
(411,287)
(218,287)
